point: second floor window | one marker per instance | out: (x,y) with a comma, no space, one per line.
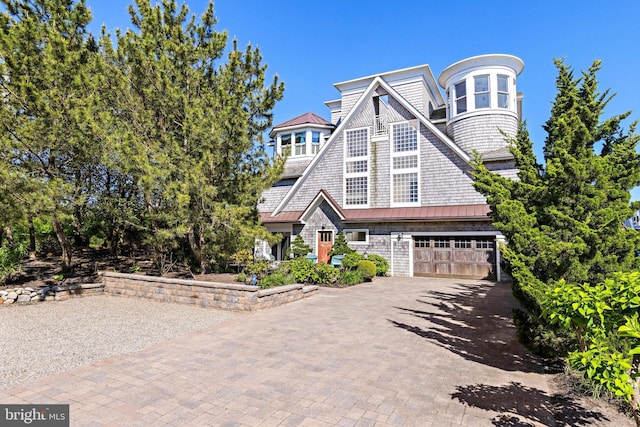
(503,91)
(405,170)
(285,142)
(356,167)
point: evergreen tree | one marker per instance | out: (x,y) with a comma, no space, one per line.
(189,131)
(48,66)
(565,220)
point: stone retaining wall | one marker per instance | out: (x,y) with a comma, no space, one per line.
(49,293)
(225,296)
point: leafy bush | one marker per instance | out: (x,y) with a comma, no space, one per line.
(259,268)
(367,269)
(351,277)
(304,270)
(340,246)
(241,277)
(10,259)
(382,266)
(278,278)
(350,261)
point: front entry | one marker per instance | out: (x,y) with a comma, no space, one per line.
(325,239)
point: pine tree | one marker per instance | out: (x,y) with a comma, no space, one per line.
(189,131)
(48,67)
(565,220)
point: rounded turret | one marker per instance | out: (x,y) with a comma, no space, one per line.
(482,101)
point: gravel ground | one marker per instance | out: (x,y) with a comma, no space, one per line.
(53,337)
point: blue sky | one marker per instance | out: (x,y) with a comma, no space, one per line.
(313,44)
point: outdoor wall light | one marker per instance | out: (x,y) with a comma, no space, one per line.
(400,236)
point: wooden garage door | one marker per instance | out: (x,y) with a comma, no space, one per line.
(456,256)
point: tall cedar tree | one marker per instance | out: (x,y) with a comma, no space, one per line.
(189,133)
(48,155)
(565,220)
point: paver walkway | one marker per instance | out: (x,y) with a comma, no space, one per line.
(393,352)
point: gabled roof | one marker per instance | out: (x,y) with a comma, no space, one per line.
(377,81)
(320,197)
(304,119)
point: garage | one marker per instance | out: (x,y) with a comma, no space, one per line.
(454,256)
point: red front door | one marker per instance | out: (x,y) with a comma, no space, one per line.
(325,239)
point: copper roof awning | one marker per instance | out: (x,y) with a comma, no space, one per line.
(424,213)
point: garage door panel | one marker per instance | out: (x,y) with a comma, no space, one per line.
(460,256)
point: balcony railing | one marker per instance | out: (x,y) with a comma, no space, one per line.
(380,125)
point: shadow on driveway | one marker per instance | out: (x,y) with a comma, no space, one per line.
(516,401)
(473,321)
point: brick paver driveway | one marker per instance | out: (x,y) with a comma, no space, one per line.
(393,352)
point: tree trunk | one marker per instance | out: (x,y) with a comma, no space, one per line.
(9,234)
(64,243)
(32,238)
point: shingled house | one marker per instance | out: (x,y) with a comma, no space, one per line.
(391,169)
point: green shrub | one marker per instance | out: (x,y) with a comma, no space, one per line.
(350,261)
(351,277)
(10,259)
(382,266)
(241,277)
(259,268)
(278,278)
(326,274)
(304,270)
(367,269)
(340,246)
(298,248)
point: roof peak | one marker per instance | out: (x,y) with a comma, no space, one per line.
(303,119)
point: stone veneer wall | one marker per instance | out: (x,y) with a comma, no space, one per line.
(225,296)
(49,293)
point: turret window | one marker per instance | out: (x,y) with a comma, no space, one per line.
(315,142)
(301,144)
(461,97)
(481,89)
(503,91)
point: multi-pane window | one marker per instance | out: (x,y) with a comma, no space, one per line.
(462,243)
(486,243)
(356,168)
(481,90)
(405,187)
(356,190)
(301,144)
(461,97)
(422,242)
(441,243)
(404,163)
(503,91)
(315,142)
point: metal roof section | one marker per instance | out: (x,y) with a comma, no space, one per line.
(304,120)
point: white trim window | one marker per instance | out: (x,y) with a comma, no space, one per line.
(460,93)
(356,167)
(358,236)
(481,91)
(315,142)
(503,91)
(405,164)
(301,143)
